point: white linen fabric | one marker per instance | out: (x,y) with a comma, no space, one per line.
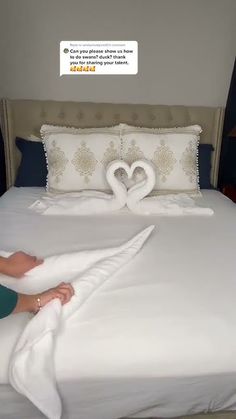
(33,354)
(158,340)
(177,204)
(173,153)
(78,161)
(87,202)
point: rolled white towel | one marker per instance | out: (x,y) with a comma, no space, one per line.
(31,370)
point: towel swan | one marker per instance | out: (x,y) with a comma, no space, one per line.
(87,202)
(139,202)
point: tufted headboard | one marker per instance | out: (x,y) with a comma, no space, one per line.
(22,118)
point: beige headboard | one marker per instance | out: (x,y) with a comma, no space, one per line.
(21,118)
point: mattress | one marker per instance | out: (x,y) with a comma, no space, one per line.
(158,339)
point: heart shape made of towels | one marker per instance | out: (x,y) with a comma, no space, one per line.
(147,170)
(148,180)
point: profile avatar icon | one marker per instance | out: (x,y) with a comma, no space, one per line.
(66,50)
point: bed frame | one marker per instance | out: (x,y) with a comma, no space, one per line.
(22,118)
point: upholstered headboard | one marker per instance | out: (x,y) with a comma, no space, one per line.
(22,118)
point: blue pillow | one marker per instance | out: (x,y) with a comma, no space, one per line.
(204,160)
(33,169)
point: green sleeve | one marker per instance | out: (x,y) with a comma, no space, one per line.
(8,301)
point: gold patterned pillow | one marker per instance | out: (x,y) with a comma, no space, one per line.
(78,161)
(174,154)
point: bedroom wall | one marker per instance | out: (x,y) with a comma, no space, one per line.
(186,49)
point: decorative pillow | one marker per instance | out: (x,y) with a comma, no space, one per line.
(33,169)
(204,158)
(173,152)
(57,129)
(205,150)
(78,161)
(189,128)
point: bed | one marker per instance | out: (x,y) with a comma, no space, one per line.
(158,340)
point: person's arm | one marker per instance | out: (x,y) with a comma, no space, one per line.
(11,302)
(3,262)
(18,264)
(8,301)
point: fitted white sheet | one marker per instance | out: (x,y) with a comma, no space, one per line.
(125,352)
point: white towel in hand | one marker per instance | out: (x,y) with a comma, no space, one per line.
(172,204)
(87,202)
(31,370)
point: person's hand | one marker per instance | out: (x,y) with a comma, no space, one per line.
(19,263)
(63,291)
(29,303)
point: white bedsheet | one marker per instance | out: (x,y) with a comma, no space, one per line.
(123,354)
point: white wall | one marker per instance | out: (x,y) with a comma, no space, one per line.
(186,49)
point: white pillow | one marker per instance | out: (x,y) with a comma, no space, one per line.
(53,129)
(174,152)
(78,161)
(49,129)
(189,128)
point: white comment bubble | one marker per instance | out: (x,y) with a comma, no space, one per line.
(98,57)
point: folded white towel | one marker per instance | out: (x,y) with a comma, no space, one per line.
(87,202)
(172,204)
(31,370)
